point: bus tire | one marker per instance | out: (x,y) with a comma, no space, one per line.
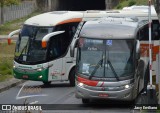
(85,101)
(47,83)
(72,77)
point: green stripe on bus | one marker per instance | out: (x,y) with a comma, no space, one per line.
(32,76)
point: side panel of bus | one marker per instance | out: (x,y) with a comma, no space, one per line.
(55,70)
(144,37)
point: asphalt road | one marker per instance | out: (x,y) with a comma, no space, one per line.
(61,97)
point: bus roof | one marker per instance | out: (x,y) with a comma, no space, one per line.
(141,12)
(60,17)
(110,28)
(55,18)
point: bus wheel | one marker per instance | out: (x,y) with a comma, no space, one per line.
(85,101)
(72,77)
(47,83)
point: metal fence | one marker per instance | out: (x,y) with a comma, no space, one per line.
(17,11)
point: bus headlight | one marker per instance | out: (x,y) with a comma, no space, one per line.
(40,76)
(127,86)
(40,69)
(80,84)
(14,66)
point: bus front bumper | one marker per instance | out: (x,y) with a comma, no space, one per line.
(31,74)
(84,93)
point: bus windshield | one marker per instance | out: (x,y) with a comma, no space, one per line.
(28,46)
(106,58)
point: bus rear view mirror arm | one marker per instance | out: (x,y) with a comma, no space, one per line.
(137,49)
(72,47)
(48,36)
(11,34)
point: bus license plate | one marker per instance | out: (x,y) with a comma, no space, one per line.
(25,76)
(103,95)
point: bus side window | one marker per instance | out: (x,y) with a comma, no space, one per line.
(55,47)
(59,44)
(159,32)
(70,29)
(144,34)
(156,30)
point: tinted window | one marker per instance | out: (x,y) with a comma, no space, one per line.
(58,45)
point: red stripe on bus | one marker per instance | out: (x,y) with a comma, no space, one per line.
(102,84)
(87,82)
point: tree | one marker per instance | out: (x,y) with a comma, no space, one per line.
(6,2)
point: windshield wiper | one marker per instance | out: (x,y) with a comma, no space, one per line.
(100,62)
(25,47)
(112,68)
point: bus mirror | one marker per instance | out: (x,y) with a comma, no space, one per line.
(11,34)
(137,50)
(48,36)
(72,47)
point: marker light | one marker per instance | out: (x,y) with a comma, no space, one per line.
(44,44)
(9,41)
(126,86)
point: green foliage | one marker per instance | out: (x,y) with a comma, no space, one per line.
(6,65)
(9,2)
(119,6)
(125,3)
(131,2)
(6,59)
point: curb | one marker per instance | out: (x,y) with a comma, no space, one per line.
(9,84)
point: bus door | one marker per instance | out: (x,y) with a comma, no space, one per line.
(68,62)
(55,57)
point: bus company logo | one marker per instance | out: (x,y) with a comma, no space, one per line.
(20,108)
(6,107)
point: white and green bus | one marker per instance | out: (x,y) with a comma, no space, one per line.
(42,50)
